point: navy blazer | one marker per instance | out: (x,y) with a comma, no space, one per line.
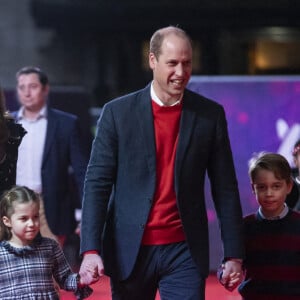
(63,154)
(120,181)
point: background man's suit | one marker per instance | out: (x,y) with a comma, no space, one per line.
(63,153)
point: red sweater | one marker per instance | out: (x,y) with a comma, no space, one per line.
(164,224)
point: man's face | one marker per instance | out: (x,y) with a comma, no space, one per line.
(31,93)
(172,69)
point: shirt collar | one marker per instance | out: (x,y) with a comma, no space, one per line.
(158,101)
(280,216)
(42,113)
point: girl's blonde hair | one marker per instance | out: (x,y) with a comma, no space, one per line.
(16,195)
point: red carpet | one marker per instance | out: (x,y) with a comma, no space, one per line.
(214,291)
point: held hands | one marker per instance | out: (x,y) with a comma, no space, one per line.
(91,269)
(231,274)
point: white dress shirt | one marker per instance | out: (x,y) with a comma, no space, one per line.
(31,150)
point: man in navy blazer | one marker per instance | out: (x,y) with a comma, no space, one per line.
(144,220)
(52,150)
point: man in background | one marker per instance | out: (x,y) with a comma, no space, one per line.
(52,150)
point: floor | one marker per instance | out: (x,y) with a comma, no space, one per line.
(214,291)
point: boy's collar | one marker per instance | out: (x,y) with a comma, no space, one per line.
(283,213)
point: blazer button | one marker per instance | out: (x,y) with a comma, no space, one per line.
(142,226)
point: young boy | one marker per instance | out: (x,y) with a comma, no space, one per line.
(272,234)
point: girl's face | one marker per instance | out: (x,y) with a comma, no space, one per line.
(24,223)
(270,192)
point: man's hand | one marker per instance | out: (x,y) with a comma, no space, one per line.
(91,269)
(232,274)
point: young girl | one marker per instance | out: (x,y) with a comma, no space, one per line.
(29,263)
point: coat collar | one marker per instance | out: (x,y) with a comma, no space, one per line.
(145,119)
(50,133)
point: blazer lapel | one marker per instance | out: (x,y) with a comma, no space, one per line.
(187,123)
(145,122)
(50,133)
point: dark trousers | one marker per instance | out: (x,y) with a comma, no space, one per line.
(168,268)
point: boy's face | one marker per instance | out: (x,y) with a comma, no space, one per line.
(270,192)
